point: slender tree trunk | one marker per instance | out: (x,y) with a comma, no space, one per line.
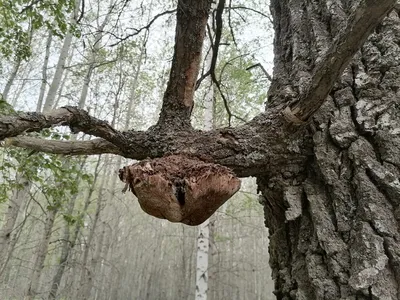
(5,270)
(55,84)
(112,277)
(203,246)
(69,242)
(132,95)
(11,79)
(66,247)
(86,274)
(41,253)
(93,57)
(44,72)
(64,79)
(203,239)
(33,288)
(95,261)
(10,217)
(334,225)
(65,251)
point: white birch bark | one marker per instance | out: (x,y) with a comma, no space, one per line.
(10,217)
(93,57)
(65,250)
(41,255)
(55,84)
(203,238)
(11,79)
(66,246)
(86,276)
(132,94)
(64,79)
(44,72)
(51,95)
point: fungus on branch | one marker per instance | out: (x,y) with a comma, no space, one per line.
(179,188)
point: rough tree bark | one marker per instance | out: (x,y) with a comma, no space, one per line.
(325,152)
(334,225)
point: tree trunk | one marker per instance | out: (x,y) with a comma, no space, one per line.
(41,253)
(93,57)
(44,72)
(203,238)
(203,247)
(66,246)
(10,217)
(11,79)
(55,84)
(334,225)
(86,274)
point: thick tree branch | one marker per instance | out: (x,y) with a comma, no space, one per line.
(92,147)
(259,147)
(361,23)
(77,119)
(191,23)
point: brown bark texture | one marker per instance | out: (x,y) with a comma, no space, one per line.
(326,152)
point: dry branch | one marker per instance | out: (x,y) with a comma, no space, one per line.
(91,147)
(77,119)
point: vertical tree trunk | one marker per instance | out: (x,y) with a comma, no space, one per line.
(203,239)
(10,218)
(44,72)
(33,288)
(93,57)
(133,89)
(66,246)
(334,225)
(41,252)
(55,84)
(86,274)
(78,226)
(64,79)
(96,260)
(11,79)
(202,261)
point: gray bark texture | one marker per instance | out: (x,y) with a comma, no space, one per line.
(334,225)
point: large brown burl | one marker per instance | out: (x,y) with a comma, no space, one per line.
(179,188)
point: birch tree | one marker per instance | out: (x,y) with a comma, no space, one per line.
(203,239)
(55,84)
